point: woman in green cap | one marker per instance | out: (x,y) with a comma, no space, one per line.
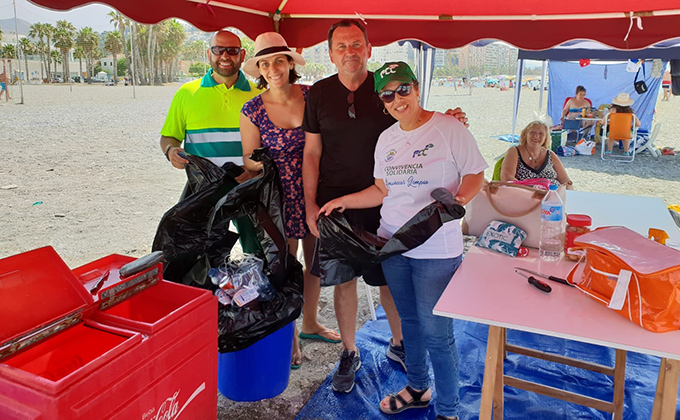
(422,151)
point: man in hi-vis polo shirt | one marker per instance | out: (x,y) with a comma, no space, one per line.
(204,115)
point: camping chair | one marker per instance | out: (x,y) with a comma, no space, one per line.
(619,126)
(574,125)
(649,145)
(597,130)
(497,169)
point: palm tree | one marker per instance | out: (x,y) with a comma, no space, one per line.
(37,31)
(88,40)
(79,54)
(55,57)
(136,56)
(9,52)
(193,50)
(171,45)
(120,22)
(48,30)
(97,55)
(161,35)
(114,45)
(64,34)
(150,51)
(27,48)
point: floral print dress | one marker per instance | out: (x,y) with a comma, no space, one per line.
(285,148)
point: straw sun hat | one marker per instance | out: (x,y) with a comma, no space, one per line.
(623,99)
(267,45)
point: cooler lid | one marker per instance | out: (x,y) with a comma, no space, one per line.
(36,289)
(102,278)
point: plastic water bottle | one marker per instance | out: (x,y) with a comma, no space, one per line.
(552,226)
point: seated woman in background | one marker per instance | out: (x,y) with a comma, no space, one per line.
(577,102)
(622,105)
(573,109)
(532,158)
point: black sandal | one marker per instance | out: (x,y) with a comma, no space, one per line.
(416,401)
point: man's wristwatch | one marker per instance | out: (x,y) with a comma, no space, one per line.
(167,149)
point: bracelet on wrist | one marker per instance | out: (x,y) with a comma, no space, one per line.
(167,149)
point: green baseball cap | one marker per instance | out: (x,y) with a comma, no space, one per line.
(390,72)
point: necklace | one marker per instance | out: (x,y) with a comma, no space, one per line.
(408,135)
(408,138)
(531,158)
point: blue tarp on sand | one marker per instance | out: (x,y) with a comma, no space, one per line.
(379,376)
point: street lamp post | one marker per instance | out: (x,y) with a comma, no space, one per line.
(16,32)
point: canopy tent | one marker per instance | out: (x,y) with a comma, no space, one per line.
(576,50)
(608,84)
(532,24)
(602,82)
(439,23)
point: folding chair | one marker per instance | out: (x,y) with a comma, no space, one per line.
(497,169)
(574,125)
(619,126)
(653,150)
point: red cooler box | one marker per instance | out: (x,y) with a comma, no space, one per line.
(86,344)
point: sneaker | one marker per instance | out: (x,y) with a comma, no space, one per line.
(626,153)
(607,152)
(397,353)
(343,378)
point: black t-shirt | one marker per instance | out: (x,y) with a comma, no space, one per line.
(348,143)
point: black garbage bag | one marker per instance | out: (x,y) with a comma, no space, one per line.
(346,252)
(239,327)
(194,237)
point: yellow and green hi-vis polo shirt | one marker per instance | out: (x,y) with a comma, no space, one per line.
(205,115)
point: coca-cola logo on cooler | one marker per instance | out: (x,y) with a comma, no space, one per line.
(170,409)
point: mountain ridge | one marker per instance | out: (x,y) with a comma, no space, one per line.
(7,26)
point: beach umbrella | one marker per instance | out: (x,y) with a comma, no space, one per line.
(530,24)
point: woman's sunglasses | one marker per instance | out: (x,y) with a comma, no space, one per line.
(388,96)
(220,50)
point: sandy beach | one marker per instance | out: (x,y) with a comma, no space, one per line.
(81,170)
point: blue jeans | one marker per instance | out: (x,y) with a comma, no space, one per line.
(416,286)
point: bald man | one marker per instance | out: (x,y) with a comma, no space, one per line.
(203,119)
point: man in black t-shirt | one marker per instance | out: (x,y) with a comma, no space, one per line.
(343,120)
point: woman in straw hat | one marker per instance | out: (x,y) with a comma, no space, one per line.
(621,104)
(273,119)
(422,152)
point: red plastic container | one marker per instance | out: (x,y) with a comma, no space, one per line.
(85,345)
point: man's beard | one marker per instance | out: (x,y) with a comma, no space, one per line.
(236,65)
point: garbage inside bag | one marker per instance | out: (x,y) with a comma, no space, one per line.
(346,253)
(194,237)
(240,327)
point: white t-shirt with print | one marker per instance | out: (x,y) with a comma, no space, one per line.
(414,163)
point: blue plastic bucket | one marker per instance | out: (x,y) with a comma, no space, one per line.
(257,372)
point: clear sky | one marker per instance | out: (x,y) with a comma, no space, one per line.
(93,15)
